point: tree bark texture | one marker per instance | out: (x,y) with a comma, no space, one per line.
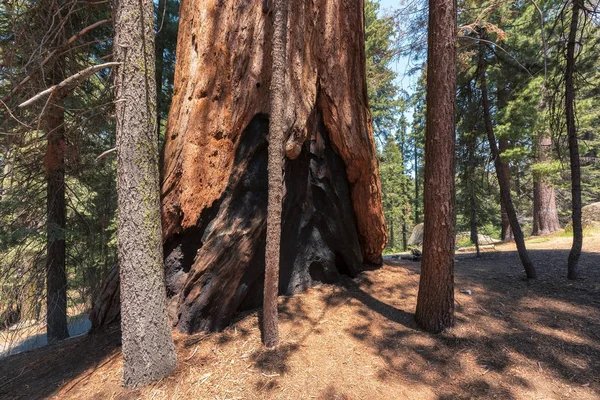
(53,121)
(106,307)
(435,300)
(545,214)
(215,161)
(417,188)
(575,252)
(506,233)
(148,349)
(275,176)
(160,62)
(471,148)
(505,194)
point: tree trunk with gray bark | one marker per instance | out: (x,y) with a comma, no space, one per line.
(148,349)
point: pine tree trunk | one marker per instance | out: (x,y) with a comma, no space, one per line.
(404,236)
(275,171)
(56,277)
(435,301)
(215,160)
(417,189)
(575,252)
(506,233)
(504,185)
(472,195)
(545,215)
(148,349)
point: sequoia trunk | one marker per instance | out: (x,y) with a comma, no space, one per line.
(435,301)
(215,160)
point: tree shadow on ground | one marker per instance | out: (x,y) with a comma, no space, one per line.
(549,327)
(511,335)
(25,377)
(513,339)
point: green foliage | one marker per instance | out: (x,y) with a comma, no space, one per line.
(385,98)
(387,103)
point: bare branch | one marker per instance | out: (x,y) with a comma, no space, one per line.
(69,83)
(104,154)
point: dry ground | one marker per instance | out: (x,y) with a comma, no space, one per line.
(357,340)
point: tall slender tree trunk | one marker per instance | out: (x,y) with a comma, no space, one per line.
(575,252)
(545,215)
(506,233)
(472,194)
(435,301)
(160,63)
(392,239)
(275,175)
(503,93)
(56,276)
(417,188)
(404,235)
(504,185)
(148,349)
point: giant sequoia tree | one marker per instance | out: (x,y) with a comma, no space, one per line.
(214,185)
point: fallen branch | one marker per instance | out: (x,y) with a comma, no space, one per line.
(70,82)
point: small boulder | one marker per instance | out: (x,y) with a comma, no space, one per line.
(416,238)
(590,213)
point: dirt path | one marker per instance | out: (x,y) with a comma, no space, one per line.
(357,340)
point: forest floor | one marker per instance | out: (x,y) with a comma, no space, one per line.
(357,340)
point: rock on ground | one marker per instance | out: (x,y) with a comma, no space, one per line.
(591,213)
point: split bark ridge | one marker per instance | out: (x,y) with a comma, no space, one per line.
(499,165)
(575,252)
(435,300)
(275,172)
(148,349)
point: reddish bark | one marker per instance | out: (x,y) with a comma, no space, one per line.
(214,183)
(435,302)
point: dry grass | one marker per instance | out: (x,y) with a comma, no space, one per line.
(357,340)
